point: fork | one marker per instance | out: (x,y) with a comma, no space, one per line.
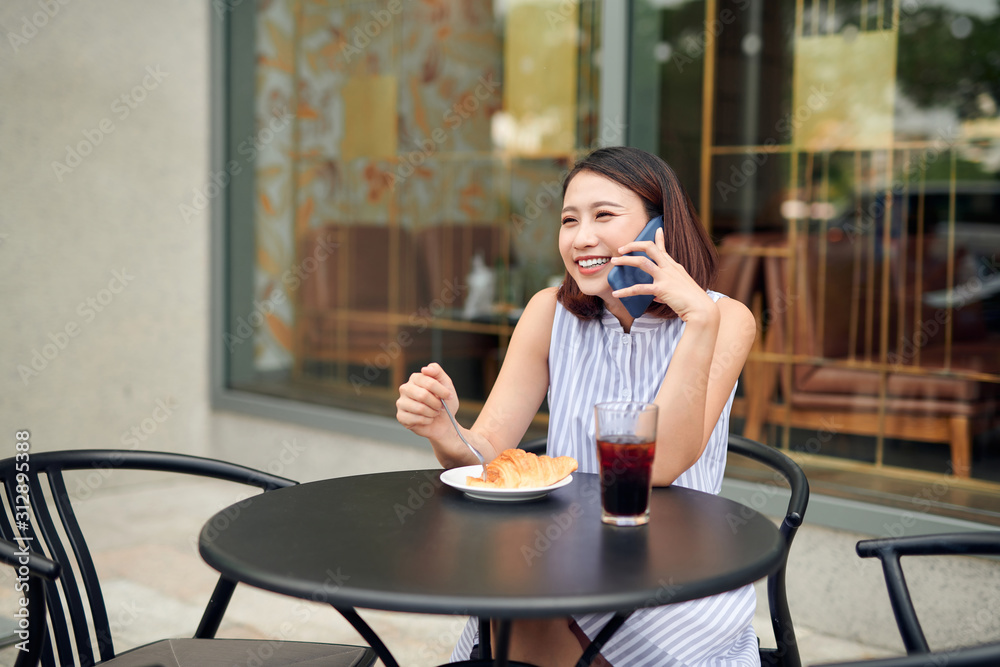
(454,423)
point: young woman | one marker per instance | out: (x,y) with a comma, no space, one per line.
(579,345)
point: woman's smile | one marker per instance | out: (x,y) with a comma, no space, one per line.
(591,265)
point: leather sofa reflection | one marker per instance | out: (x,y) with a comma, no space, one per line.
(377,307)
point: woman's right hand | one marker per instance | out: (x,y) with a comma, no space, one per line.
(418,408)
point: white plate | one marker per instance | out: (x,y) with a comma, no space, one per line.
(456,478)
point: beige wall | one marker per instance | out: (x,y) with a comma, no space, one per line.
(107,228)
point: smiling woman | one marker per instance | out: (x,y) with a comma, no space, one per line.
(578,346)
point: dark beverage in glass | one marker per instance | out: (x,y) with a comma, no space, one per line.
(626,466)
(626,446)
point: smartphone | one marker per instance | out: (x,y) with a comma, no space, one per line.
(622,276)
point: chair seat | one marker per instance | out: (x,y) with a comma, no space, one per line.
(859,403)
(865,383)
(229,652)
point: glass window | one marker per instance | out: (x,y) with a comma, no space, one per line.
(403,164)
(394,173)
(846,156)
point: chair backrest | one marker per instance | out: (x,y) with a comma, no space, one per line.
(40,512)
(738,266)
(888,551)
(445,256)
(31,570)
(786,652)
(344,266)
(534,445)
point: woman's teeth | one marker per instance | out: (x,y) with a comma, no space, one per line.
(589,263)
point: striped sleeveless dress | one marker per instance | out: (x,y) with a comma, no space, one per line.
(594,361)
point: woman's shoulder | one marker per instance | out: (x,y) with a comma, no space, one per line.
(539,312)
(543,302)
(533,331)
(731,307)
(736,318)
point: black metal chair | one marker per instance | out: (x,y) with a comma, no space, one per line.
(535,445)
(919,654)
(79,627)
(786,652)
(32,571)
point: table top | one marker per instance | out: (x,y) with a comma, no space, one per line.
(404,541)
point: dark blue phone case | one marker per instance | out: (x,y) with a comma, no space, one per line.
(622,276)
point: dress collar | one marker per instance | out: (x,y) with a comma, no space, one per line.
(640,325)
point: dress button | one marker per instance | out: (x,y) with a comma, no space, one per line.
(626,339)
(626,393)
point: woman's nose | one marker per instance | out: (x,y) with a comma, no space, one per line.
(585,236)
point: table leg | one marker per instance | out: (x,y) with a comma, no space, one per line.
(503,643)
(369,635)
(485,645)
(217,604)
(602,638)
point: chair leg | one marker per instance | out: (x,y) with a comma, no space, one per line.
(961,446)
(753,373)
(764,374)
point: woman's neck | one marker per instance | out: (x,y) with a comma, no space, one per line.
(617,308)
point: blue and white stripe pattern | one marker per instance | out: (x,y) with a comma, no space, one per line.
(594,361)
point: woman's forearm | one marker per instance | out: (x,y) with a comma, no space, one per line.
(683,398)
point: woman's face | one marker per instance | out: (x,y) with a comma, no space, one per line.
(598,217)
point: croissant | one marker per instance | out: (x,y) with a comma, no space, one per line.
(518,469)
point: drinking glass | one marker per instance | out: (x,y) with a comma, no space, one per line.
(626,444)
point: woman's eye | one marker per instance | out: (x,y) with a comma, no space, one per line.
(603,213)
(567,220)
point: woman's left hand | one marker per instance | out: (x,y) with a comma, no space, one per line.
(671,286)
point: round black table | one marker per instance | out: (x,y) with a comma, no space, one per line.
(404,541)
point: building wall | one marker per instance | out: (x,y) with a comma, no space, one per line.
(104,133)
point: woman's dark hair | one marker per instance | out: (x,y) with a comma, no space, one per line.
(684,237)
